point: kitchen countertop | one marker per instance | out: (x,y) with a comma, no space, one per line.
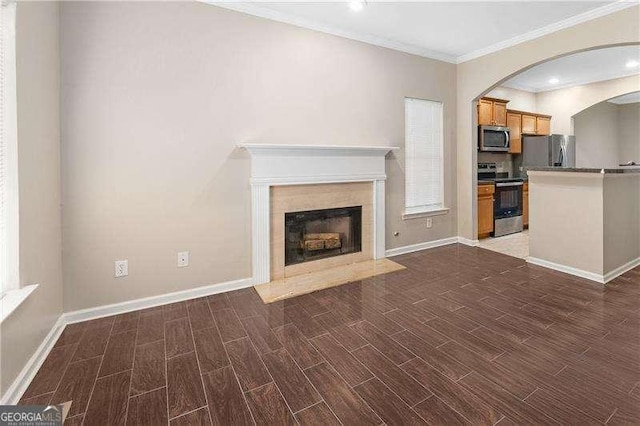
(585,170)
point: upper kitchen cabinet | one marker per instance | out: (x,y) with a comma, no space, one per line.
(534,124)
(514,123)
(528,124)
(543,125)
(492,112)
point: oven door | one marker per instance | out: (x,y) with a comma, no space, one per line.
(508,200)
(493,138)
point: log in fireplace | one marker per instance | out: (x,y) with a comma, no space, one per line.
(318,234)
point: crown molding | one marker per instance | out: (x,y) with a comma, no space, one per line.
(551,28)
(584,82)
(262,12)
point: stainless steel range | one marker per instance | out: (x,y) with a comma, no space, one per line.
(507,201)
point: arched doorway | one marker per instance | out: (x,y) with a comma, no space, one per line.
(470,91)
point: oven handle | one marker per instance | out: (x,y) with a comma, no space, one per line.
(502,184)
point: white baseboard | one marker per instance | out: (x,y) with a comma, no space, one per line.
(621,270)
(420,246)
(21,383)
(150,302)
(468,242)
(599,278)
(567,269)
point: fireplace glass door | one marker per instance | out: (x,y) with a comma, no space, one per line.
(318,234)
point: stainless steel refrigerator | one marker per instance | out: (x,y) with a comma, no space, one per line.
(548,151)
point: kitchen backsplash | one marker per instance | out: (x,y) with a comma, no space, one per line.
(503,161)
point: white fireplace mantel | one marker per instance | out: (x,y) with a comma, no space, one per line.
(279,164)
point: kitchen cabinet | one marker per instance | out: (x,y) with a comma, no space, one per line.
(528,124)
(485,112)
(543,125)
(485,210)
(492,112)
(525,204)
(514,123)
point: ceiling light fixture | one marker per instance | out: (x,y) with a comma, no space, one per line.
(356,5)
(632,63)
(554,80)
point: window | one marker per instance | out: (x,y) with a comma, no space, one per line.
(424,164)
(8,152)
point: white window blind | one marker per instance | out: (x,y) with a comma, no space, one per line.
(424,165)
(8,151)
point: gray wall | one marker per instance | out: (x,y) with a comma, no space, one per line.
(596,132)
(38,150)
(629,132)
(607,134)
(156,97)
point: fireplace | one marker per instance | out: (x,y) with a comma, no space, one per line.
(319,234)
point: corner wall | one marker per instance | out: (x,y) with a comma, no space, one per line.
(38,150)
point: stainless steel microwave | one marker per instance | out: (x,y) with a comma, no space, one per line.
(493,138)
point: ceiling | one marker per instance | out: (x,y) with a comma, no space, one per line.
(630,98)
(445,30)
(580,68)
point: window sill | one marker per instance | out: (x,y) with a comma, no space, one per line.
(14,298)
(428,213)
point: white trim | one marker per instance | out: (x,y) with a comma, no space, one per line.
(295,164)
(621,270)
(307,180)
(152,301)
(599,278)
(549,29)
(10,219)
(28,372)
(468,242)
(262,12)
(295,149)
(426,213)
(421,246)
(20,384)
(14,298)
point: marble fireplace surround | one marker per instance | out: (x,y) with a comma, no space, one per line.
(280,165)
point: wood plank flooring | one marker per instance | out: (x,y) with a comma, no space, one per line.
(461,336)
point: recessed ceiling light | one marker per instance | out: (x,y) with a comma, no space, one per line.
(554,80)
(356,5)
(632,64)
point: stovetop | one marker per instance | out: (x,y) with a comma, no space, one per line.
(488,173)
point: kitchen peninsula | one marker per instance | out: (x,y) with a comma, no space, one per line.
(585,222)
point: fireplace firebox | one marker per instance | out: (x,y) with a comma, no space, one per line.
(318,234)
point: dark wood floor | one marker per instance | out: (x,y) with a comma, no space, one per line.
(462,336)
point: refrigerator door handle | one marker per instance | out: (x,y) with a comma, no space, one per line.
(560,157)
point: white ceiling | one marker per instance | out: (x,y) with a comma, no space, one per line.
(445,30)
(630,98)
(580,68)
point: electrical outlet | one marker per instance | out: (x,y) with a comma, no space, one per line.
(122,268)
(183,259)
(429,222)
